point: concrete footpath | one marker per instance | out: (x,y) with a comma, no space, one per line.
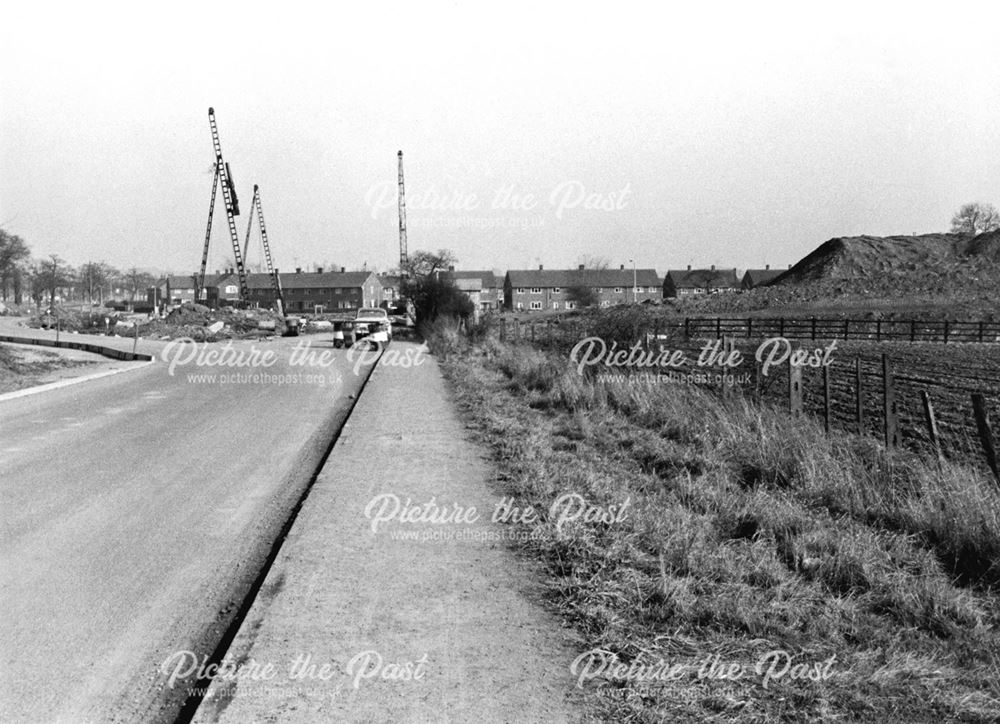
(373,613)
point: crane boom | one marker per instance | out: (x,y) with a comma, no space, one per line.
(199,292)
(403,256)
(257,206)
(224,175)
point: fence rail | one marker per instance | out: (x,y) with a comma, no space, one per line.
(878,330)
(908,395)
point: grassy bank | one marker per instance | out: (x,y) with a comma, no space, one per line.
(746,532)
(26,367)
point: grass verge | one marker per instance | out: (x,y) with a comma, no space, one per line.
(746,533)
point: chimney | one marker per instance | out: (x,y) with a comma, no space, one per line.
(766,267)
(713,267)
(298,270)
(451,268)
(540,268)
(343,269)
(689,267)
(789,266)
(319,270)
(581,266)
(622,267)
(217,272)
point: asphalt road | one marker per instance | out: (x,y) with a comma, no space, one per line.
(136,511)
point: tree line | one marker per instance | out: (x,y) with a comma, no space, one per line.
(23,278)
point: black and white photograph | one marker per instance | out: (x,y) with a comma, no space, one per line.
(500,362)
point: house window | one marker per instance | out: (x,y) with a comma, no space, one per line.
(618,290)
(570,305)
(536,290)
(536,305)
(520,290)
(555,305)
(337,291)
(605,303)
(597,290)
(230,289)
(520,306)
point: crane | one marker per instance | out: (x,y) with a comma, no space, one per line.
(403,257)
(291,324)
(223,177)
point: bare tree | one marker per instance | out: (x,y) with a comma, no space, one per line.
(423,264)
(137,280)
(94,275)
(13,253)
(49,276)
(975,218)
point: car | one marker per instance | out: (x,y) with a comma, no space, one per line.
(373,324)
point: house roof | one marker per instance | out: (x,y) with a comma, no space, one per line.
(312,280)
(488,279)
(179,281)
(756,277)
(582,277)
(469,285)
(703,278)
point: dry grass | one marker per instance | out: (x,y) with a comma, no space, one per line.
(747,531)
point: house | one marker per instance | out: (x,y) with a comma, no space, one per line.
(759,277)
(491,287)
(692,282)
(391,289)
(473,289)
(537,289)
(221,289)
(177,289)
(318,291)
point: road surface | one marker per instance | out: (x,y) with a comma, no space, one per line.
(137,510)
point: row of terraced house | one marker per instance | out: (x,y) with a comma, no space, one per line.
(517,290)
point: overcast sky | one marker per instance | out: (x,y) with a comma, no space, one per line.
(731,135)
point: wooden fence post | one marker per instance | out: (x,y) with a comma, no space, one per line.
(889,404)
(749,327)
(718,327)
(859,399)
(985,433)
(913,329)
(814,328)
(687,328)
(932,428)
(794,389)
(532,332)
(946,331)
(826,398)
(878,330)
(781,326)
(981,325)
(847,326)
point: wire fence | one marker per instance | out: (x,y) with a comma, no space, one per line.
(926,385)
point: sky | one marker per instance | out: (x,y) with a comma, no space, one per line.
(657,134)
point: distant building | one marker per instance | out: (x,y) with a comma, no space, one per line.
(391,289)
(222,289)
(759,277)
(176,289)
(538,289)
(692,282)
(318,291)
(491,293)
